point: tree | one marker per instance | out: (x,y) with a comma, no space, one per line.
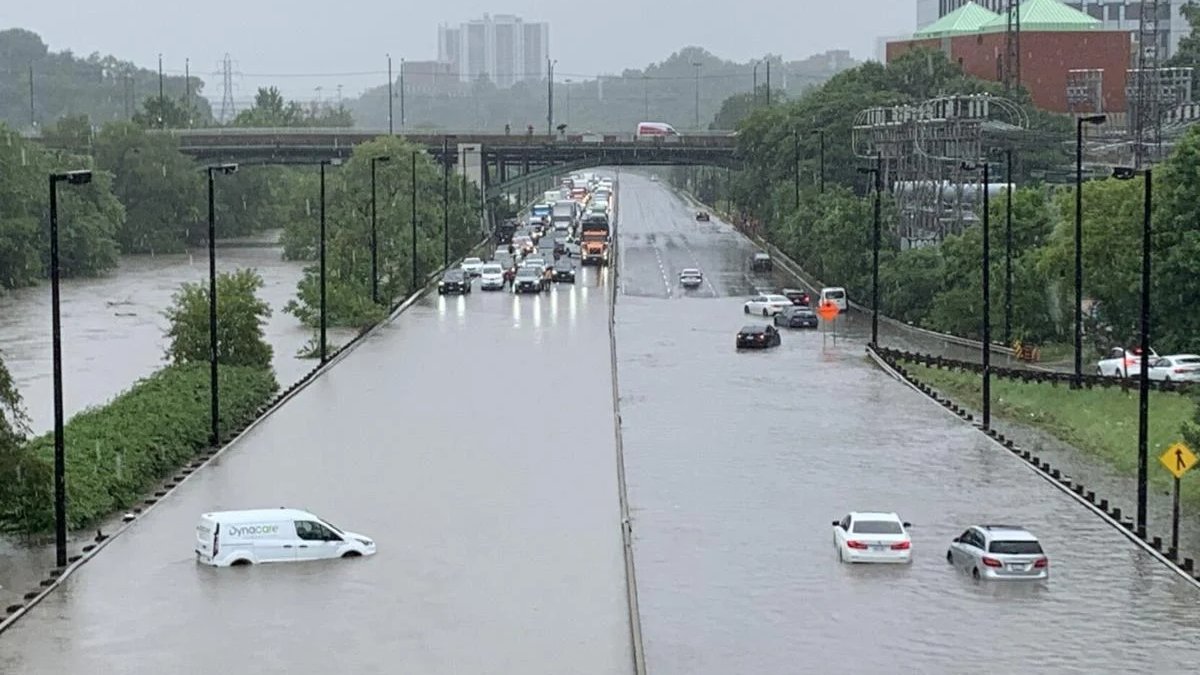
(271,110)
(240,319)
(72,133)
(167,113)
(14,424)
(160,187)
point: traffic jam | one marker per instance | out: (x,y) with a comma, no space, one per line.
(572,223)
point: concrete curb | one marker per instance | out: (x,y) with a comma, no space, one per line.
(815,285)
(90,551)
(1053,476)
(635,621)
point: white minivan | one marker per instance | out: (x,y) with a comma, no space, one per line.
(836,295)
(225,538)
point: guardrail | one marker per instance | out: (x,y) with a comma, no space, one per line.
(346,131)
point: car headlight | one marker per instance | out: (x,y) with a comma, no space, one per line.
(366,542)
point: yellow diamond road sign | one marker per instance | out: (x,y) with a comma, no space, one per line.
(1178,459)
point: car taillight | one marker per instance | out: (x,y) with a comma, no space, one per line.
(216,546)
(1040,563)
(991,562)
(856,544)
(901,546)
(1179,370)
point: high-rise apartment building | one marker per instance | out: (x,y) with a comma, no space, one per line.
(1113,14)
(503,49)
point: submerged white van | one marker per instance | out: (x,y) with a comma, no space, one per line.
(225,538)
(836,295)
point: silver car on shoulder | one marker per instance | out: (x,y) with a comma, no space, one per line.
(999,552)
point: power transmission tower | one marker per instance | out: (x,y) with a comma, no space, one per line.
(1012,39)
(227,110)
(1147,124)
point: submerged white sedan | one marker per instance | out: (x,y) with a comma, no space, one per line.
(872,537)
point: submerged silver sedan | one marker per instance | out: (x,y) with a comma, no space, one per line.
(999,552)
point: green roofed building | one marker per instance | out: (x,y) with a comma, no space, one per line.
(969,18)
(1042,16)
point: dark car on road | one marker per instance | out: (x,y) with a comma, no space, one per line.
(761,262)
(529,280)
(454,281)
(798,297)
(564,271)
(758,336)
(702,216)
(796,317)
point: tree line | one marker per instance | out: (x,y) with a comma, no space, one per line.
(939,287)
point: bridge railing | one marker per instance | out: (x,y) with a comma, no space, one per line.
(422,133)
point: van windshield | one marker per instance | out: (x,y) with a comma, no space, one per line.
(333,527)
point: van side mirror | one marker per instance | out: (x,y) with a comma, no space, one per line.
(907,524)
(837,523)
(954,540)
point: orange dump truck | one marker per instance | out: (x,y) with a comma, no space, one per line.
(594,240)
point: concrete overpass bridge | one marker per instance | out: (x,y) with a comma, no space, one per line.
(499,162)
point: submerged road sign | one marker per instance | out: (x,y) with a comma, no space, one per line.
(828,310)
(1178,459)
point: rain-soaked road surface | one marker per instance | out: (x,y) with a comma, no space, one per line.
(737,463)
(472,438)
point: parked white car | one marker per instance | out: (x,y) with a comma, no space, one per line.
(767,305)
(1123,363)
(225,538)
(872,537)
(472,266)
(1176,368)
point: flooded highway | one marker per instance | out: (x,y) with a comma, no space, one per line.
(737,463)
(471,438)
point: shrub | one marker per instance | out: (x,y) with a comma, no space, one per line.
(240,318)
(116,452)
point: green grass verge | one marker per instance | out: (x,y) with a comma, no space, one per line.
(116,452)
(1100,423)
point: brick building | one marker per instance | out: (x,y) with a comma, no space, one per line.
(1054,40)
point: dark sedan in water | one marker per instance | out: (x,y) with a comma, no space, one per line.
(758,336)
(564,271)
(454,281)
(530,280)
(796,317)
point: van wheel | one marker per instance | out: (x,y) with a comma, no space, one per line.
(351,554)
(765,312)
(241,562)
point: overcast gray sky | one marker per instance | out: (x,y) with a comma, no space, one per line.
(335,39)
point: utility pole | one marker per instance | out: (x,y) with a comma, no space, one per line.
(549,98)
(162,100)
(445,201)
(187,89)
(1008,248)
(413,201)
(391,95)
(697,66)
(403,115)
(768,81)
(32,118)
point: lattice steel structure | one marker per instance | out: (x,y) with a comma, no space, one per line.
(1085,90)
(1144,107)
(923,148)
(1012,45)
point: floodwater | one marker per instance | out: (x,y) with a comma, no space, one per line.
(472,438)
(113,334)
(738,462)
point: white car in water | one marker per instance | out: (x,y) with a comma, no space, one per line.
(491,277)
(472,266)
(872,537)
(1123,362)
(226,538)
(1176,368)
(691,278)
(766,305)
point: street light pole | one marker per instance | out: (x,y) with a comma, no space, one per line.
(413,202)
(697,67)
(1077,381)
(987,293)
(1008,248)
(768,60)
(796,166)
(375,232)
(754,91)
(446,201)
(1143,478)
(550,97)
(213,344)
(878,171)
(322,255)
(391,129)
(60,453)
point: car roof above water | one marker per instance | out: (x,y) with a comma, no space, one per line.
(258,515)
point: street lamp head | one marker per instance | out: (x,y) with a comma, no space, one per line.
(1124,172)
(79,177)
(382,158)
(969,166)
(225,169)
(1093,119)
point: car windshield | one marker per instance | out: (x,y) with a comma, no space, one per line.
(877,527)
(1015,547)
(472,261)
(528,272)
(492,269)
(690,273)
(453,275)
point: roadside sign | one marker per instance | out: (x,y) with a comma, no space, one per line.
(827,310)
(1178,459)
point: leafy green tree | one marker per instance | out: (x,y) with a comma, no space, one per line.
(1176,246)
(168,113)
(72,133)
(348,232)
(271,110)
(241,316)
(14,424)
(160,187)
